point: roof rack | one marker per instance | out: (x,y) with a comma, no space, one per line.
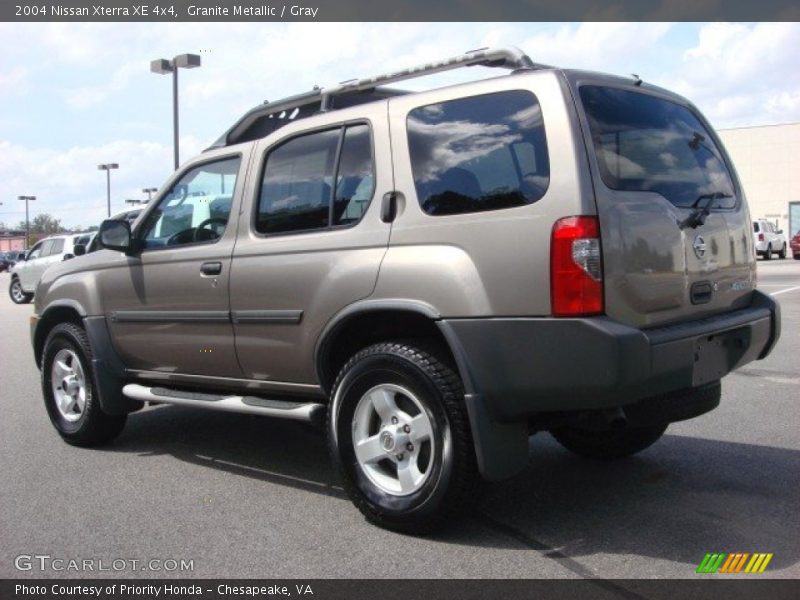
(271,116)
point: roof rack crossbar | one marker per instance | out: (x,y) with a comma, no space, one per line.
(505,58)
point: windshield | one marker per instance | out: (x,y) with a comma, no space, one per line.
(648,144)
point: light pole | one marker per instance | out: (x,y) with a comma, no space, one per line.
(27,219)
(162,66)
(150,192)
(107,168)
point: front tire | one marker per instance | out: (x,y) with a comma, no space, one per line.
(608,444)
(399,435)
(69,389)
(17,294)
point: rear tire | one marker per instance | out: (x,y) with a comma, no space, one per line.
(68,386)
(17,294)
(403,408)
(768,253)
(610,444)
(782,253)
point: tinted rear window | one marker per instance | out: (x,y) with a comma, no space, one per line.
(479,153)
(645,143)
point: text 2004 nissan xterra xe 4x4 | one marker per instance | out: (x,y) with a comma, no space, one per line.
(436,275)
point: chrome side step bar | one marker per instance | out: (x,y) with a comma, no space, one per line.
(298,411)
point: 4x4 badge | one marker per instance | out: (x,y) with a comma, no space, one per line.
(699,246)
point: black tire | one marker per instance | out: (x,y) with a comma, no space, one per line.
(782,253)
(451,473)
(768,253)
(93,427)
(17,294)
(610,444)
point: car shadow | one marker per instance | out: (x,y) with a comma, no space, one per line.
(676,501)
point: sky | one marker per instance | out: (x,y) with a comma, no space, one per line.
(74,95)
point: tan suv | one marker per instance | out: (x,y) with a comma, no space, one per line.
(436,275)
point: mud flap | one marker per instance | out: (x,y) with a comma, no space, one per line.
(501,448)
(108,369)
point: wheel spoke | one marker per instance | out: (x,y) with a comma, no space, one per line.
(80,401)
(408,474)
(420,428)
(62,369)
(370,450)
(68,405)
(383,403)
(78,370)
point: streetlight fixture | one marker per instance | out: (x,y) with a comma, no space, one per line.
(27,220)
(107,168)
(132,201)
(150,192)
(162,66)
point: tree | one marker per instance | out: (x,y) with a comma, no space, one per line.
(43,223)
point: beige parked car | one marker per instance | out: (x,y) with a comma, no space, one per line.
(436,275)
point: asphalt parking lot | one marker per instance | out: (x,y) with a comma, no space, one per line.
(246,496)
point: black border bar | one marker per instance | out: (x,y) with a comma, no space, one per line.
(395,10)
(699,588)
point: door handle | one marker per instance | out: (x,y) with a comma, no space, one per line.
(211,268)
(389,207)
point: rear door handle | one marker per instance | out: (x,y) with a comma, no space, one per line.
(211,268)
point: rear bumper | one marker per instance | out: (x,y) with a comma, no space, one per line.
(518,367)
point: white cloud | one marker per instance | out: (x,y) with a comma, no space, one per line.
(594,45)
(92,95)
(14,81)
(68,184)
(735,72)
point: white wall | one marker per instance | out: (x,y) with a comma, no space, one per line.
(767,160)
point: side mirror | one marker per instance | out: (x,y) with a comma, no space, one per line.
(68,256)
(116,235)
(779,231)
(79,250)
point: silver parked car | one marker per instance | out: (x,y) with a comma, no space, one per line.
(435,275)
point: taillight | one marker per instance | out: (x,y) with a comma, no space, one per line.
(576,270)
(760,237)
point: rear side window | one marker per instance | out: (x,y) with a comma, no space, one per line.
(479,153)
(755,227)
(648,144)
(57,246)
(317,181)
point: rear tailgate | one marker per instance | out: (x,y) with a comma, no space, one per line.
(656,164)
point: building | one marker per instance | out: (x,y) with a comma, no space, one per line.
(12,240)
(767,159)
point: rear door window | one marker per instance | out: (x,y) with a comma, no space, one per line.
(479,153)
(317,181)
(647,144)
(57,247)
